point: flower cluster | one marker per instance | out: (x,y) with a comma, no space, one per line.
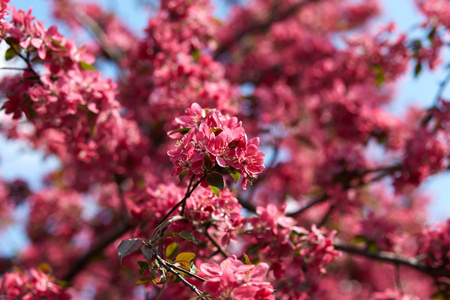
(213,141)
(274,238)
(34,284)
(223,211)
(235,280)
(426,155)
(435,243)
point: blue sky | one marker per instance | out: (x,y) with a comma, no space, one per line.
(18,161)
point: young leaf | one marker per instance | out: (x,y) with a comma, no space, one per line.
(10,54)
(185,257)
(215,190)
(144,266)
(417,69)
(172,250)
(182,175)
(215,179)
(86,66)
(247,260)
(128,246)
(235,176)
(183,131)
(144,280)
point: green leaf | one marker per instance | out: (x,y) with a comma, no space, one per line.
(188,236)
(86,66)
(172,250)
(10,54)
(372,247)
(196,54)
(235,176)
(379,75)
(147,252)
(144,266)
(432,34)
(417,69)
(208,163)
(215,190)
(128,246)
(182,175)
(247,260)
(253,249)
(215,179)
(144,280)
(180,130)
(185,257)
(359,239)
(223,171)
(64,283)
(184,234)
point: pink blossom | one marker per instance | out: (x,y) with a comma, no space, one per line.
(235,280)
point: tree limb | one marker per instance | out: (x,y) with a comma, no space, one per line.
(261,26)
(394,259)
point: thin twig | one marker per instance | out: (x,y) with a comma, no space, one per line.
(261,26)
(308,206)
(104,241)
(437,97)
(186,196)
(181,278)
(326,216)
(124,209)
(97,32)
(186,272)
(13,69)
(397,278)
(219,248)
(30,66)
(247,205)
(384,171)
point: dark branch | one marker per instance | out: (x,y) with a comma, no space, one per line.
(104,241)
(308,206)
(186,196)
(262,26)
(181,278)
(438,96)
(13,69)
(395,259)
(186,272)
(27,61)
(247,205)
(219,248)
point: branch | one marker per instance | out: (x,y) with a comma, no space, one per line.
(13,69)
(261,26)
(106,239)
(308,206)
(384,171)
(181,278)
(219,248)
(97,32)
(438,96)
(186,196)
(29,65)
(395,259)
(186,272)
(247,205)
